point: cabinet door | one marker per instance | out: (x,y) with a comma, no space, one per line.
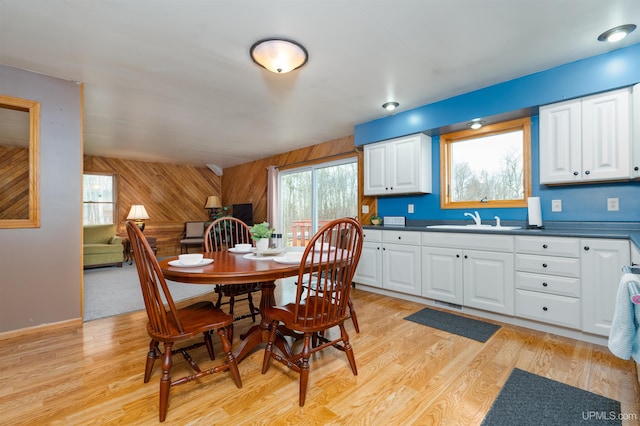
(369,270)
(606,136)
(375,169)
(404,165)
(635,137)
(489,281)
(561,142)
(401,270)
(602,262)
(442,274)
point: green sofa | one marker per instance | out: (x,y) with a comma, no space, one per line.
(101,246)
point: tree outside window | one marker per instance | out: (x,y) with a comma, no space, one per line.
(98,199)
(489,167)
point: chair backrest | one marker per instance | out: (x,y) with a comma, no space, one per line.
(153,285)
(226,232)
(193,229)
(326,271)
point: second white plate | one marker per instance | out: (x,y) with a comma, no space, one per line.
(179,264)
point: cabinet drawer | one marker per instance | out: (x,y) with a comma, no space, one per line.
(401,237)
(562,286)
(372,235)
(550,308)
(548,246)
(564,266)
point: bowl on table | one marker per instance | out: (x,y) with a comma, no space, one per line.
(243,247)
(190,259)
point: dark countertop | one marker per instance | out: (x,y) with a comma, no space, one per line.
(613,230)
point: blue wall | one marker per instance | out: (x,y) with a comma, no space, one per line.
(579,202)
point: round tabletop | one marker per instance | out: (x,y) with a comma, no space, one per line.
(229,268)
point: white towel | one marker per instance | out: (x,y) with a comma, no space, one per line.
(624,337)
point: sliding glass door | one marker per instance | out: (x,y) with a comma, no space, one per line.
(314,195)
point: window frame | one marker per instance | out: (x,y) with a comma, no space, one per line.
(446,141)
(114,200)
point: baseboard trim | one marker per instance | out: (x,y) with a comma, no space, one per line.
(76,322)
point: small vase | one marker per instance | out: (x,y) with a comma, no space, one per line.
(262,244)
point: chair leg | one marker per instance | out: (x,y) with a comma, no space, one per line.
(348,349)
(232,302)
(151,359)
(354,317)
(165,380)
(209,344)
(269,348)
(304,368)
(232,362)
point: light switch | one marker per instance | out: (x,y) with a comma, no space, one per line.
(365,208)
(410,208)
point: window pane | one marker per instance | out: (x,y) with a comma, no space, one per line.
(488,167)
(337,192)
(295,190)
(98,199)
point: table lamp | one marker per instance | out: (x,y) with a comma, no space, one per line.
(138,214)
(213,203)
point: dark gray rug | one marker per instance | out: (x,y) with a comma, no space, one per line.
(529,399)
(456,324)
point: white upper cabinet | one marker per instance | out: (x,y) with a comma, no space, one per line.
(586,139)
(398,166)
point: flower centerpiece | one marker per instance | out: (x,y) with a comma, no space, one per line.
(376,220)
(261,232)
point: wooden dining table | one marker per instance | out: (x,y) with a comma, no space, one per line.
(230,268)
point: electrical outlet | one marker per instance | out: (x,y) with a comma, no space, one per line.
(410,209)
(556,205)
(613,204)
(365,208)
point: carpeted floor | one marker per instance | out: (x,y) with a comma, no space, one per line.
(113,291)
(456,324)
(528,399)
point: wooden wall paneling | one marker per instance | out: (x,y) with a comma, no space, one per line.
(14,182)
(172,195)
(247,183)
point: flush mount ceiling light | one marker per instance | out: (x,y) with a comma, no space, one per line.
(279,55)
(476,124)
(617,33)
(390,106)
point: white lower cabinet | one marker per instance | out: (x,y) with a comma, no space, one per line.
(474,271)
(369,270)
(401,269)
(548,280)
(602,261)
(390,260)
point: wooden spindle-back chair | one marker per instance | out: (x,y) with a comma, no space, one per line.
(169,324)
(322,298)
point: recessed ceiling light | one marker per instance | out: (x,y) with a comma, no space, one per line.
(279,55)
(476,124)
(617,33)
(390,106)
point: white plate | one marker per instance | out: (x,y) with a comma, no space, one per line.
(235,250)
(284,259)
(252,256)
(177,263)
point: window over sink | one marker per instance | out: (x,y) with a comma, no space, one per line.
(486,168)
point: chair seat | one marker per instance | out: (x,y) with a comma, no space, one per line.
(196,319)
(238,289)
(286,315)
(192,241)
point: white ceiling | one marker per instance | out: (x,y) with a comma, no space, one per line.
(172,81)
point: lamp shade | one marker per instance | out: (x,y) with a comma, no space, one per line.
(137,212)
(213,202)
(279,55)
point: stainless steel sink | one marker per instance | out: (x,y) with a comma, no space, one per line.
(475,227)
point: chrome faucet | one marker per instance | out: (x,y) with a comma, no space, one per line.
(497,218)
(475,216)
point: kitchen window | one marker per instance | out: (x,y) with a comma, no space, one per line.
(486,168)
(314,195)
(98,199)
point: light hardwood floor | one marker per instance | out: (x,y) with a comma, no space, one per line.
(408,374)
